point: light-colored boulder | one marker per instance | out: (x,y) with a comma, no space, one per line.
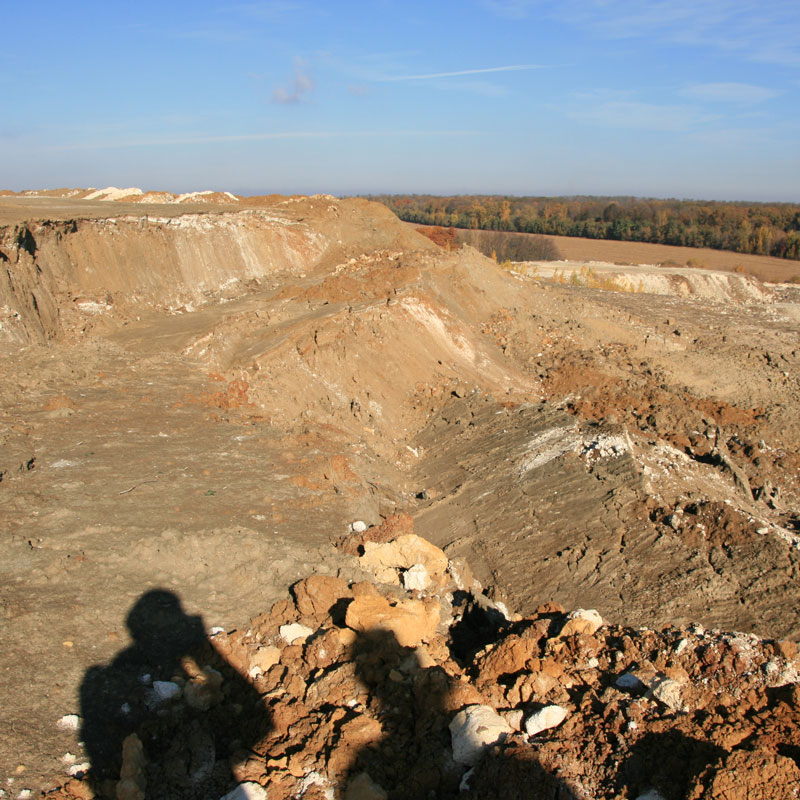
(162,692)
(544,719)
(628,680)
(385,558)
(416,577)
(582,620)
(473,729)
(411,621)
(669,692)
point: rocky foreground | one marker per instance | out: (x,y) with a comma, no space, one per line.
(398,678)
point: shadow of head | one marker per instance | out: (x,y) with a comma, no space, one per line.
(160,628)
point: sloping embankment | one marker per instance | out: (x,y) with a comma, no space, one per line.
(54,269)
(63,273)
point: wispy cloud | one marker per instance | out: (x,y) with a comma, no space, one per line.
(302,84)
(741,93)
(636,115)
(460,72)
(758,30)
(156,141)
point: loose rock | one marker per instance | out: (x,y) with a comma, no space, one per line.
(473,729)
(544,719)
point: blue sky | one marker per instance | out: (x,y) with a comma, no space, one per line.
(683,98)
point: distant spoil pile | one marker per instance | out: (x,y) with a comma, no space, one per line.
(416,685)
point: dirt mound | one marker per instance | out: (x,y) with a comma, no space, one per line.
(354,688)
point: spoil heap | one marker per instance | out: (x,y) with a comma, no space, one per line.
(398,678)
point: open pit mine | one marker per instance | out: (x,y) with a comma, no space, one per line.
(297,504)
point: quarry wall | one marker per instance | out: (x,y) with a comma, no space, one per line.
(52,273)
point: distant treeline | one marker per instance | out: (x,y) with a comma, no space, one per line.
(758,228)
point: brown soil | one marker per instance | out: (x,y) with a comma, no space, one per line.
(201,401)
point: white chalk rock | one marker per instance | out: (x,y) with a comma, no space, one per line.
(294,632)
(69,722)
(474,729)
(358,526)
(416,577)
(166,690)
(670,693)
(247,791)
(545,718)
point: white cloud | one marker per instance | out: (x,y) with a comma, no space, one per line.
(743,93)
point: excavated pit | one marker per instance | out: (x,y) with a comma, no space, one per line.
(200,401)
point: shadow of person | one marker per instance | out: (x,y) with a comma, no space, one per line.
(414,758)
(190,709)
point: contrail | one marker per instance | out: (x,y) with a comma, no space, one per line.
(509,68)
